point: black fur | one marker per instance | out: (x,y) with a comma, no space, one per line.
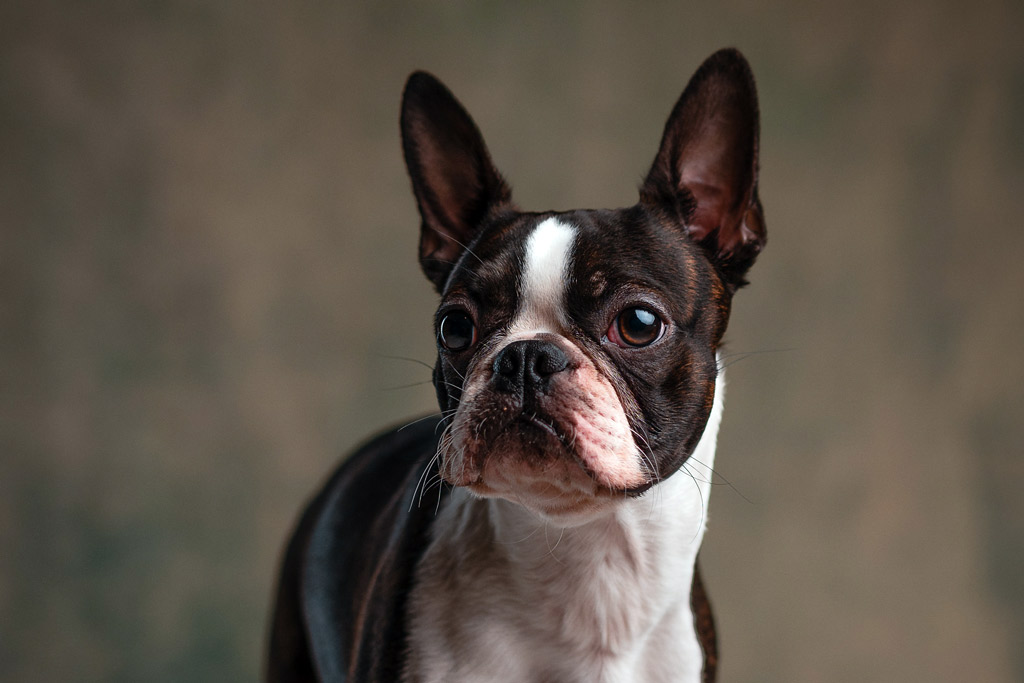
(340,610)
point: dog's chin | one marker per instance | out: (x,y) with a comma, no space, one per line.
(531,464)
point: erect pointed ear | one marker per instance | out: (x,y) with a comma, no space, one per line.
(705,173)
(454,181)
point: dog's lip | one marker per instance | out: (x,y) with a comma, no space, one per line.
(537,421)
(549,426)
(532,417)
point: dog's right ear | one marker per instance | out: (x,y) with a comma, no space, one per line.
(455,183)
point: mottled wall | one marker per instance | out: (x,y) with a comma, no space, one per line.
(207,265)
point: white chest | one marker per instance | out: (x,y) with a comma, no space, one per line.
(502,596)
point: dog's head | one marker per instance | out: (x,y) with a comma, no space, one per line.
(577,350)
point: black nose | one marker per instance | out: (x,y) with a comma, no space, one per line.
(527,365)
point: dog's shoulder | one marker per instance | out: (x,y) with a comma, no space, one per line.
(353,551)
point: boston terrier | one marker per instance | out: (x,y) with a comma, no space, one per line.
(545,526)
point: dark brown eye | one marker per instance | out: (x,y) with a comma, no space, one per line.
(457,331)
(634,327)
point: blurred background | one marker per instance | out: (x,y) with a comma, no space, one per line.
(208,275)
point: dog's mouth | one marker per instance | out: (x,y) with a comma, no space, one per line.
(542,423)
(530,457)
(530,435)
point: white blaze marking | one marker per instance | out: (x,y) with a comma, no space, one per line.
(545,275)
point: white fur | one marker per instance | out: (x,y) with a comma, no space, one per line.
(544,278)
(502,595)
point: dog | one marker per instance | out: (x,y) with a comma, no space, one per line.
(579,383)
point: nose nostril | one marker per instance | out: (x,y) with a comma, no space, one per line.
(507,363)
(549,361)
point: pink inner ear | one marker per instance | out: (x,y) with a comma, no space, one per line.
(450,179)
(717,208)
(706,166)
(715,167)
(710,206)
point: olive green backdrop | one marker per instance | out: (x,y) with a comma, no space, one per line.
(207,265)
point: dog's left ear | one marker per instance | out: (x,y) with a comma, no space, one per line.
(705,173)
(455,183)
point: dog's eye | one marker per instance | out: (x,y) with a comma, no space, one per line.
(636,326)
(457,331)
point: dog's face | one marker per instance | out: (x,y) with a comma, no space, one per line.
(577,350)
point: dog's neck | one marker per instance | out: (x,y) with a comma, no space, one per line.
(584,602)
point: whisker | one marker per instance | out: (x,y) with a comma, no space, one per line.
(407,386)
(464,246)
(428,366)
(716,474)
(737,356)
(421,419)
(693,475)
(445,435)
(524,538)
(458,374)
(551,550)
(440,489)
(647,458)
(418,501)
(701,495)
